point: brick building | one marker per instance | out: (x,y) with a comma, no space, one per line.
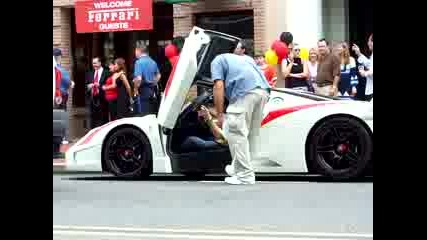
(259,21)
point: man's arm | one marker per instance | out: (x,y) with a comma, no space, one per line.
(158,75)
(218,93)
(217,71)
(336,72)
(137,76)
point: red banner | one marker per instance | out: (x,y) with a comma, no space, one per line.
(113,15)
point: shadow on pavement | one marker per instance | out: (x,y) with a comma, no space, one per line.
(259,177)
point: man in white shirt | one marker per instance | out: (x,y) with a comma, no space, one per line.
(95,96)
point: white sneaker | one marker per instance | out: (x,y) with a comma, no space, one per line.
(229,170)
(236,181)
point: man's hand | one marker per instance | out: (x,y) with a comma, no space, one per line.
(220,120)
(362,72)
(333,91)
(353,91)
(90,86)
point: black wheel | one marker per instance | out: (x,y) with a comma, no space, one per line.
(127,153)
(340,147)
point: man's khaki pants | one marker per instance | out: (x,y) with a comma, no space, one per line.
(325,90)
(241,128)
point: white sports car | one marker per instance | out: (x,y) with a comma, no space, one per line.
(301,132)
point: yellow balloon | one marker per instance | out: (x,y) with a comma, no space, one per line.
(270,57)
(304,53)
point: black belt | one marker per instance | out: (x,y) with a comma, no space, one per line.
(323,84)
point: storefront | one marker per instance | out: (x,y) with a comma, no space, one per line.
(106,29)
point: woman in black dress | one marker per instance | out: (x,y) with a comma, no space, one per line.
(124,92)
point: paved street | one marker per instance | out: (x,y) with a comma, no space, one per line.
(163,209)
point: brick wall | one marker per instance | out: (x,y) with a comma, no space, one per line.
(184,16)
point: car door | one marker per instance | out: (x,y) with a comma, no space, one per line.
(200,48)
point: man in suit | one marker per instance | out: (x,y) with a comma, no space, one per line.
(95,96)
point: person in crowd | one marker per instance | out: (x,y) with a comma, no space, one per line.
(64,84)
(287,39)
(312,68)
(111,92)
(367,67)
(348,83)
(239,79)
(196,143)
(95,96)
(328,70)
(296,71)
(269,70)
(146,77)
(118,91)
(65,80)
(241,48)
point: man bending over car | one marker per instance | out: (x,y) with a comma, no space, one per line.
(240,80)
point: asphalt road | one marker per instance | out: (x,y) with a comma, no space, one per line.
(158,209)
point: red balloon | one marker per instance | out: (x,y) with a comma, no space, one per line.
(281,50)
(171,51)
(275,44)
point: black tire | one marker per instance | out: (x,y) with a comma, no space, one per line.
(340,147)
(127,153)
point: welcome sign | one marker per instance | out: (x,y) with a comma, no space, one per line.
(113,15)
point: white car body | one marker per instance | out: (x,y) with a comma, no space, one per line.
(289,116)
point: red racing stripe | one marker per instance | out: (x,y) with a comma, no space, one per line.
(284,111)
(89,137)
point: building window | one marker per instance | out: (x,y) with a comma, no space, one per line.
(236,23)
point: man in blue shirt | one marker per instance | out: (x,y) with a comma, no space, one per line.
(66,84)
(247,90)
(146,76)
(65,80)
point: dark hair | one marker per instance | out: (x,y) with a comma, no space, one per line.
(286,37)
(121,64)
(243,44)
(141,47)
(323,40)
(97,58)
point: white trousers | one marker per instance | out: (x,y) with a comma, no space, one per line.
(241,128)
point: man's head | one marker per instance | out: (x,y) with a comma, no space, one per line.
(322,46)
(96,63)
(140,50)
(241,48)
(57,53)
(371,42)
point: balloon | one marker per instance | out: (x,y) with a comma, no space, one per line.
(304,54)
(171,51)
(275,44)
(270,57)
(281,50)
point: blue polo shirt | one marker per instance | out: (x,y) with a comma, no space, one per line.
(147,68)
(240,73)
